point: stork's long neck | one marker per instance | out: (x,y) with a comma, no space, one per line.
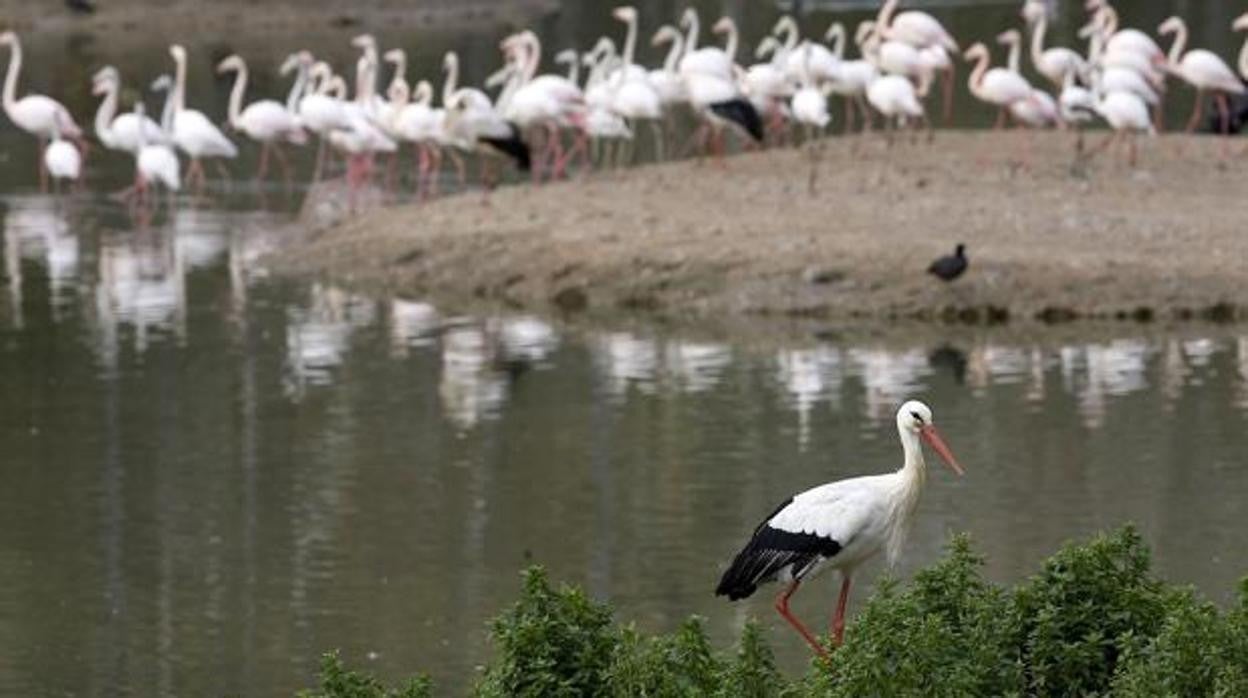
(10,78)
(910,481)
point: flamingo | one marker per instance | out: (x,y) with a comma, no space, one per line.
(37,115)
(119,132)
(810,108)
(666,80)
(853,76)
(1039,110)
(61,159)
(838,526)
(544,101)
(635,98)
(1127,115)
(767,85)
(1201,69)
(999,87)
(320,109)
(710,82)
(1054,63)
(153,163)
(1241,24)
(898,101)
(193,133)
(420,124)
(157,161)
(926,33)
(265,121)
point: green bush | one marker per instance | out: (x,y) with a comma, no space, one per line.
(1092,622)
(949,634)
(551,643)
(1088,602)
(339,682)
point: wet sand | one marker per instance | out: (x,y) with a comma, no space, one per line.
(1050,241)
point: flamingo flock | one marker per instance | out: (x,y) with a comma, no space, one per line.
(548,123)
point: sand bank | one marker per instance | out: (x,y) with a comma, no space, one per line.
(1049,242)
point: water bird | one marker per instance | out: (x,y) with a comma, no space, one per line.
(951,266)
(838,526)
(36,114)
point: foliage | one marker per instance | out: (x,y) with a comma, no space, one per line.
(950,633)
(552,642)
(339,682)
(1093,622)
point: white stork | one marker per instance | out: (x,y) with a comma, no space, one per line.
(839,525)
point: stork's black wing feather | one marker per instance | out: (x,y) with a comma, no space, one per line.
(769,551)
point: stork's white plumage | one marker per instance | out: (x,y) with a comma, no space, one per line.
(838,526)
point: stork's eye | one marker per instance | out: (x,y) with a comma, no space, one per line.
(917,417)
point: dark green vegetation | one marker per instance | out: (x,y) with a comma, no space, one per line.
(1093,621)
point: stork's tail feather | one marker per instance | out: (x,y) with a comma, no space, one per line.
(734,584)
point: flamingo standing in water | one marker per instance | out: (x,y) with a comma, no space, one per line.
(266,121)
(120,132)
(38,115)
(838,526)
(193,132)
(62,159)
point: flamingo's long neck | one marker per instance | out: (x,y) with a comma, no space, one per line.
(10,78)
(1243,59)
(836,37)
(790,34)
(452,76)
(104,115)
(166,115)
(885,16)
(296,90)
(630,42)
(1037,40)
(730,44)
(1015,59)
(691,35)
(673,53)
(1180,43)
(179,83)
(535,56)
(977,73)
(235,109)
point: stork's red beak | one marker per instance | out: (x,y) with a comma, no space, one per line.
(932,438)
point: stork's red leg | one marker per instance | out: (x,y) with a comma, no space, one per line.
(838,620)
(782,606)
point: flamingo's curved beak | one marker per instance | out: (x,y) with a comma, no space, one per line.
(932,438)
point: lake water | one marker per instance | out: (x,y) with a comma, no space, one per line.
(211,476)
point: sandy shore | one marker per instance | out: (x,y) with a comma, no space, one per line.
(1049,242)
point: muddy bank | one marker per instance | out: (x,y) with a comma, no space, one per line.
(1050,242)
